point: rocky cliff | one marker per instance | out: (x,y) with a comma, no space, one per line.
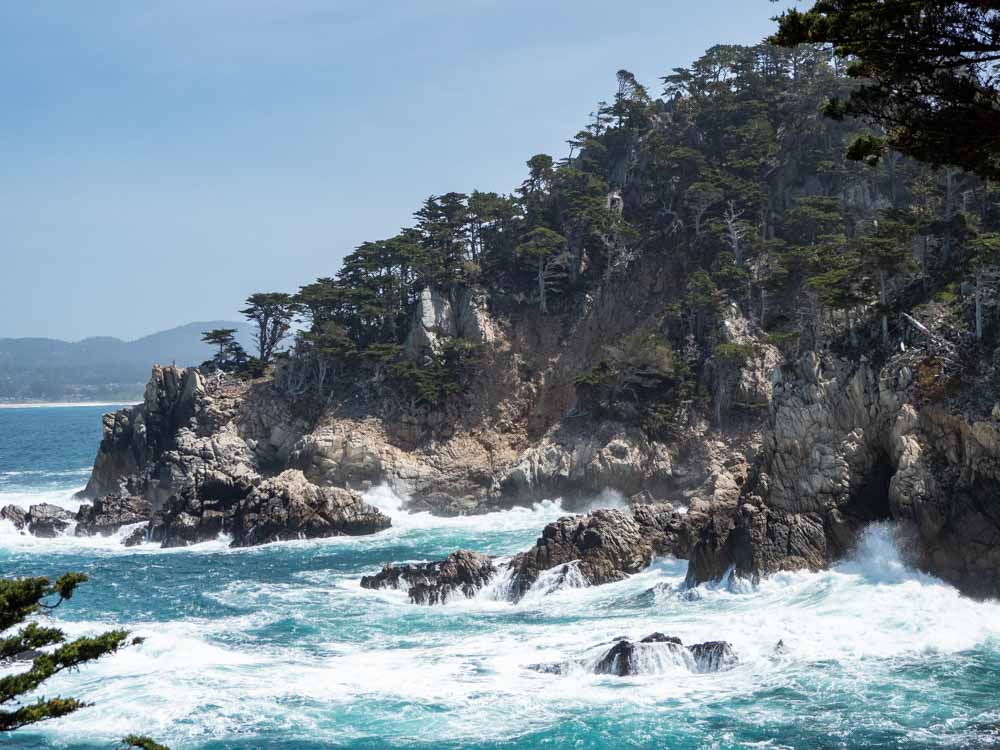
(839,444)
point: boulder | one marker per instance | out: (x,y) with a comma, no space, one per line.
(655,654)
(607,546)
(291,507)
(109,513)
(17,515)
(47,520)
(462,572)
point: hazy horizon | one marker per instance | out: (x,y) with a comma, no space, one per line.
(164,162)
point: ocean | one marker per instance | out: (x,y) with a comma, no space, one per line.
(278,647)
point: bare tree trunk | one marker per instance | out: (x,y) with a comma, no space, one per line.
(541,286)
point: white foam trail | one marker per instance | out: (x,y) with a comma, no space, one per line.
(394,504)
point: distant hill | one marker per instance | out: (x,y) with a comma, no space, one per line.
(102,367)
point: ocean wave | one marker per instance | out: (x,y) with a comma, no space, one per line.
(314,640)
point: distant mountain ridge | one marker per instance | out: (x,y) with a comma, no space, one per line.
(100,367)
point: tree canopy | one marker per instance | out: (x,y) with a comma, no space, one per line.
(928,75)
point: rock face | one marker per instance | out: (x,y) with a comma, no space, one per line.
(109,513)
(441,315)
(135,538)
(849,446)
(290,507)
(191,460)
(179,437)
(47,520)
(462,572)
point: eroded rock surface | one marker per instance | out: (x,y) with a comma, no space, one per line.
(47,520)
(462,572)
(107,514)
(290,507)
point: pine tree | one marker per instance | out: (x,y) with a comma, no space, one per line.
(24,598)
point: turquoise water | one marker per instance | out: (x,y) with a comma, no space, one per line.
(279,647)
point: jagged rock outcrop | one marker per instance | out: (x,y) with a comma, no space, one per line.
(109,513)
(441,315)
(601,547)
(568,462)
(135,537)
(178,437)
(606,546)
(14,514)
(462,572)
(188,519)
(281,508)
(47,520)
(290,507)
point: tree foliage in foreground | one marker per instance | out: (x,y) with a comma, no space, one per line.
(929,73)
(21,599)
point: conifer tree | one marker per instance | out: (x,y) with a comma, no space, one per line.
(24,598)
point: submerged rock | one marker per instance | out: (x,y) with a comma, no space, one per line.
(109,513)
(626,658)
(655,654)
(47,520)
(462,572)
(713,656)
(291,507)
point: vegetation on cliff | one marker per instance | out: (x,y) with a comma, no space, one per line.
(732,182)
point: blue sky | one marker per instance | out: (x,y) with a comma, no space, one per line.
(159,160)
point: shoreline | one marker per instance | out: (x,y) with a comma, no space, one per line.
(62,404)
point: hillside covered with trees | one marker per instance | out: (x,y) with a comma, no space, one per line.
(733,188)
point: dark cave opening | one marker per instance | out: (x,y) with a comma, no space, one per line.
(871,502)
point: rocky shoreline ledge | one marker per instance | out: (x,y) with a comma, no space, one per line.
(844,445)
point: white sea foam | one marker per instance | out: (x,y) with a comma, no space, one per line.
(196,680)
(466,663)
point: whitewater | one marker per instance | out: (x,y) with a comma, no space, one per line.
(279,647)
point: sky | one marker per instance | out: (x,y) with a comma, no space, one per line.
(161,160)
